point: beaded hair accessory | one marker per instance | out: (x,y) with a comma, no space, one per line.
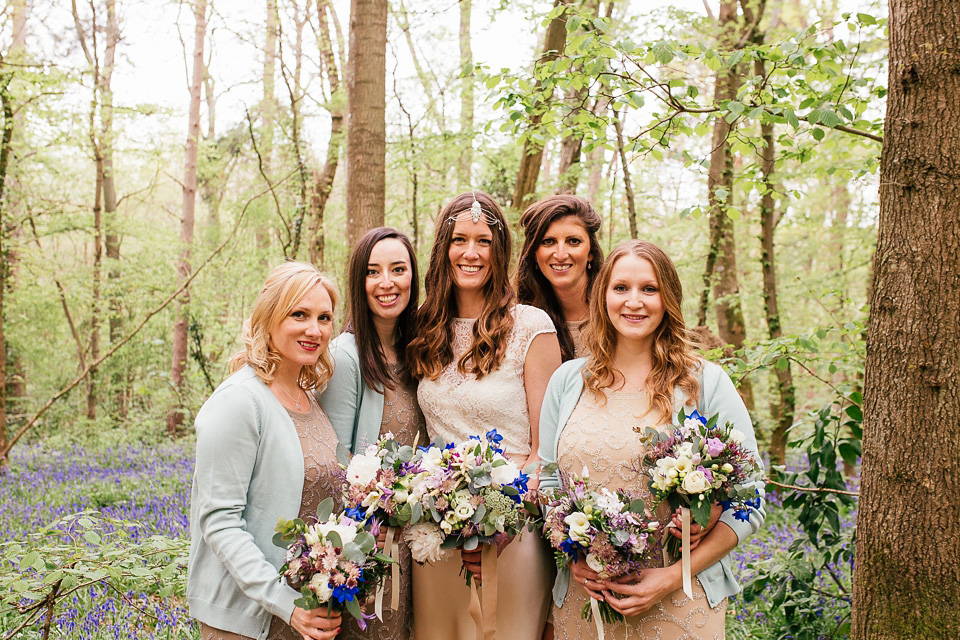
(477,213)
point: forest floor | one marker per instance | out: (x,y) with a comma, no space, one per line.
(150,485)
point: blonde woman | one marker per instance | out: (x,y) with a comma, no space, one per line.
(265,450)
(641,371)
(483,363)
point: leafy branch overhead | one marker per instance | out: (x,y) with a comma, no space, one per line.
(811,84)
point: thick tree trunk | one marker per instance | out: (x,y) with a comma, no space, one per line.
(532,154)
(366,113)
(783,407)
(907,575)
(179,363)
(465,163)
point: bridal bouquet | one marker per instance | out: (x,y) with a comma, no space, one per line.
(614,533)
(379,483)
(333,562)
(471,494)
(701,462)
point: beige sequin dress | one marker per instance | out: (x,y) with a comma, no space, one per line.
(575,327)
(602,440)
(457,406)
(321,480)
(402,418)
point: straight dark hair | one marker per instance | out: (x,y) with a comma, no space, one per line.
(533,288)
(373,363)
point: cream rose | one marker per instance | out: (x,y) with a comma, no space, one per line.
(505,473)
(320,585)
(737,436)
(695,482)
(362,470)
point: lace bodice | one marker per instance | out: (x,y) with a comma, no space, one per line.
(457,405)
(575,328)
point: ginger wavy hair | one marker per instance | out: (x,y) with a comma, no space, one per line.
(284,288)
(431,350)
(532,286)
(674,359)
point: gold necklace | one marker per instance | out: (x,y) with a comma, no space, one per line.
(296,400)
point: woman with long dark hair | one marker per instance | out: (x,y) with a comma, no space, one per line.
(641,371)
(371,392)
(558,263)
(483,362)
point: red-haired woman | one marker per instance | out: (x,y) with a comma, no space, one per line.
(483,363)
(641,371)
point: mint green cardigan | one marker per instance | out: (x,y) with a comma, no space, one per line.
(717,395)
(354,409)
(249,473)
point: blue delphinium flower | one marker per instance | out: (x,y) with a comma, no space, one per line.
(355,513)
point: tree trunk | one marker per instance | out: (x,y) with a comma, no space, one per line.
(532,154)
(726,288)
(906,580)
(627,184)
(323,180)
(783,408)
(6,137)
(179,363)
(465,163)
(366,117)
(268,108)
(295,92)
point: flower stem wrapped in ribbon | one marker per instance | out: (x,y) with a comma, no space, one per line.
(333,562)
(696,465)
(611,530)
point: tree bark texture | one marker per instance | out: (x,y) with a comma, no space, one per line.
(268,108)
(907,572)
(6,138)
(627,183)
(783,406)
(179,363)
(726,287)
(366,113)
(465,163)
(532,154)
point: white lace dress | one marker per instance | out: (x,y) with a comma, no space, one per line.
(456,406)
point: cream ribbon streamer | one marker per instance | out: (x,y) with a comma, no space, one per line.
(392,551)
(685,551)
(483,605)
(597,620)
(378,600)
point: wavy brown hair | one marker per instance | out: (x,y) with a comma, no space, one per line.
(674,360)
(373,363)
(284,288)
(430,351)
(533,288)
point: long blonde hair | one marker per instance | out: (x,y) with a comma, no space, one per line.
(674,360)
(430,351)
(284,288)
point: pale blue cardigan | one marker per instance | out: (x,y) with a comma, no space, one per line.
(249,473)
(717,395)
(354,409)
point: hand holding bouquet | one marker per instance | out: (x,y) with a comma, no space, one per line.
(613,532)
(333,562)
(698,464)
(471,494)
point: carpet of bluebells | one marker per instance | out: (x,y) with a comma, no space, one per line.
(151,485)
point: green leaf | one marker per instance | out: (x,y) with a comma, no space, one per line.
(818,133)
(334,538)
(354,608)
(700,510)
(92,537)
(324,509)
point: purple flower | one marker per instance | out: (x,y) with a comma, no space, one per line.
(714,447)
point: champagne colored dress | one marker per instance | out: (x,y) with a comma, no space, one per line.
(322,479)
(402,418)
(601,439)
(575,327)
(457,406)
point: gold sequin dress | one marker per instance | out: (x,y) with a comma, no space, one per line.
(321,480)
(601,438)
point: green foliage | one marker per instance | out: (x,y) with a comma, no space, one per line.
(71,556)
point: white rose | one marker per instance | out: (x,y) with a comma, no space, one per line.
(401,496)
(320,585)
(685,450)
(505,474)
(362,470)
(737,436)
(464,510)
(578,524)
(594,563)
(695,482)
